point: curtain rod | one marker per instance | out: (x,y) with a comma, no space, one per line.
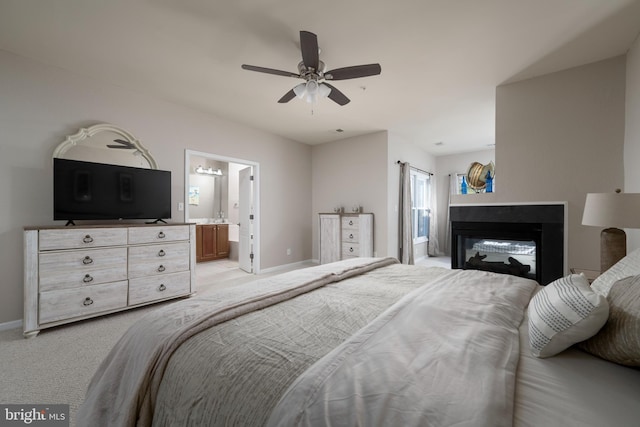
(414,168)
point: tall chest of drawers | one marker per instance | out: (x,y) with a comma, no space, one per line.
(345,236)
(75,273)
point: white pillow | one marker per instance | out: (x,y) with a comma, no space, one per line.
(563,313)
(627,266)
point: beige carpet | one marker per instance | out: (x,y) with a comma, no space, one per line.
(57,365)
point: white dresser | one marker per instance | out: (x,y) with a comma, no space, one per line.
(345,235)
(74,273)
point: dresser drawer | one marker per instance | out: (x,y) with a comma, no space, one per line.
(158,234)
(69,303)
(147,289)
(73,269)
(350,222)
(350,236)
(150,260)
(75,238)
(350,250)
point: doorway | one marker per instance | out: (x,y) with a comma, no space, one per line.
(220,189)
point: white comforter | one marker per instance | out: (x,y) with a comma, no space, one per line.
(444,355)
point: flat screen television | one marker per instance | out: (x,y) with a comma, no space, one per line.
(96,191)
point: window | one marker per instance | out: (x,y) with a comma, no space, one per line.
(420,212)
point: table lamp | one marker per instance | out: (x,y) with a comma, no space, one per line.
(614,211)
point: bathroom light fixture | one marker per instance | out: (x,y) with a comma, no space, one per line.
(208,171)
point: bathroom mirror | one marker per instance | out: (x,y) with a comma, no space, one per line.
(105,143)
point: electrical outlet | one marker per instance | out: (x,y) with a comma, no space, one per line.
(288,251)
(180,206)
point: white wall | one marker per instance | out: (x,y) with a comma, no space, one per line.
(350,172)
(632,134)
(41,105)
(559,137)
(446,168)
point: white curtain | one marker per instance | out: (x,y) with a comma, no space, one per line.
(453,183)
(434,245)
(406,232)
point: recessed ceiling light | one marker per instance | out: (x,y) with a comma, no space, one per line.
(439,143)
(339,130)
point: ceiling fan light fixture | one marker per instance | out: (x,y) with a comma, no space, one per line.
(323,90)
(311,95)
(312,91)
(300,90)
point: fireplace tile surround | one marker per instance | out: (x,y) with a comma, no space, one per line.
(540,225)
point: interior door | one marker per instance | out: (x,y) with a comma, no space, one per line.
(245,208)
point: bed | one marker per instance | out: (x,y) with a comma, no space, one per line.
(365,341)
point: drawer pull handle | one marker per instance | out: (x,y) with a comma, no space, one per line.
(351,236)
(87,278)
(161,235)
(161,268)
(87,239)
(350,249)
(162,287)
(162,252)
(87,301)
(350,222)
(87,260)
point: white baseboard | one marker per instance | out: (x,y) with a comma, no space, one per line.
(11,325)
(288,266)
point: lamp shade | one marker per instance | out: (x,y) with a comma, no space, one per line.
(619,210)
(312,91)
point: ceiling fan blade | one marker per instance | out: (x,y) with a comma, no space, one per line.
(287,97)
(353,72)
(127,145)
(336,96)
(269,71)
(309,48)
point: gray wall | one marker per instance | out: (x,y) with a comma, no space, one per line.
(351,172)
(405,151)
(446,167)
(363,170)
(632,134)
(41,105)
(559,137)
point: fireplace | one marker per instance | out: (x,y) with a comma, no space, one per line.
(522,240)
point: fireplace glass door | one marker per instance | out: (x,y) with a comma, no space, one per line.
(516,257)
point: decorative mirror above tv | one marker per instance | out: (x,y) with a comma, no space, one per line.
(105,143)
(104,173)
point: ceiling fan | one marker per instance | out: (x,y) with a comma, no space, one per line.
(312,70)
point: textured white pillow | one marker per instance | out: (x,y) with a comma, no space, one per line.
(627,266)
(563,313)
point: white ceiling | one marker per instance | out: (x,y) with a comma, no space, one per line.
(441,59)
